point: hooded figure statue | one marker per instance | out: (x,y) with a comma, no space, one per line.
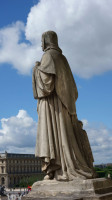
(61,142)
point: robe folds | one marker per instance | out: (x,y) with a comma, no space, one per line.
(57,142)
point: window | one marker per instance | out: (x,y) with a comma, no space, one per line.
(9,170)
(3,180)
(2,169)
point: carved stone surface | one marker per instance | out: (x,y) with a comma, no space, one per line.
(92,189)
(61,143)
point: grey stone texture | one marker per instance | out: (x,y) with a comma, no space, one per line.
(91,189)
(61,143)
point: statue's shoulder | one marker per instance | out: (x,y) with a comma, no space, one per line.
(55,53)
(47,63)
(46,55)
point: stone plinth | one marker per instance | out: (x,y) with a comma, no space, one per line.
(92,189)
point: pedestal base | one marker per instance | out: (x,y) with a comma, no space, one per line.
(91,189)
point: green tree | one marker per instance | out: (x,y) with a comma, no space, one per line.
(29,181)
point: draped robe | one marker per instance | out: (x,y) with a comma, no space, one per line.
(58,142)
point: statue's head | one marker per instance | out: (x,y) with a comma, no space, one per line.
(49,39)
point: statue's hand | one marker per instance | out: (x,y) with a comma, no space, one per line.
(37,63)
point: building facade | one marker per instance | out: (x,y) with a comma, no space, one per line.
(14,167)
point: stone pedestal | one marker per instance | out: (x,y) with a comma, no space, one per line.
(91,189)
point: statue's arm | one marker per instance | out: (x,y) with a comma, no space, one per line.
(35,94)
(46,84)
(45,76)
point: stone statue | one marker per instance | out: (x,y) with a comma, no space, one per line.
(61,142)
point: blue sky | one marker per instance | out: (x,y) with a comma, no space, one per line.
(16,89)
(85,38)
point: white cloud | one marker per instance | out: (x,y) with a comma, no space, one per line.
(100,139)
(84,30)
(18,133)
(14,51)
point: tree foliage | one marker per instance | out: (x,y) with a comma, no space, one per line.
(29,181)
(104,172)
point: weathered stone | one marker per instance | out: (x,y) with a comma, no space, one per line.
(91,189)
(61,143)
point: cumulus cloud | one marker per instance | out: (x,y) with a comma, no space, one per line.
(13,50)
(100,138)
(84,30)
(18,133)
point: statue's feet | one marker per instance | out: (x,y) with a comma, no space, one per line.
(46,177)
(62,178)
(49,176)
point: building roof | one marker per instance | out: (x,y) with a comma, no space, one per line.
(16,155)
